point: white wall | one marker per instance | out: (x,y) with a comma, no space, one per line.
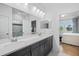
(55,28)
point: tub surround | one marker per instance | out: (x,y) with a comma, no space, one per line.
(71,38)
(9,47)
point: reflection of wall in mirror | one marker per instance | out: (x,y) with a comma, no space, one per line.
(4,27)
(44,24)
(17,30)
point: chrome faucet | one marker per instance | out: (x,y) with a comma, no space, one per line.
(39,34)
(14,40)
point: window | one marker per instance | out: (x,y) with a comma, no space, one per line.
(17,30)
(66,26)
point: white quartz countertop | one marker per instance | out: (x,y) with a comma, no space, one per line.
(10,47)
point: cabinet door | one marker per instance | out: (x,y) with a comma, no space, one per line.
(42,49)
(27,52)
(35,52)
(46,46)
(4,27)
(51,42)
(22,52)
(35,49)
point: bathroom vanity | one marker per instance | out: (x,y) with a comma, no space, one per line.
(39,48)
(23,34)
(34,46)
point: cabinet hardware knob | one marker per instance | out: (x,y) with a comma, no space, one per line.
(7,33)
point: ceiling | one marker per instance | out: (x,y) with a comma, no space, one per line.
(54,9)
(58,8)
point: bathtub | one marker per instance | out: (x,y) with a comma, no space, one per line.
(71,38)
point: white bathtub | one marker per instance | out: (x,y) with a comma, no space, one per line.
(71,38)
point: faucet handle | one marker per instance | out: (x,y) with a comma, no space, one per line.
(39,34)
(7,33)
(14,40)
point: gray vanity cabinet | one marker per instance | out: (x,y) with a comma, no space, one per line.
(48,45)
(27,51)
(22,52)
(35,49)
(51,42)
(40,48)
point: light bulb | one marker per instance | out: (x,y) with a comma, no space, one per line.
(34,8)
(41,12)
(62,15)
(38,10)
(26,4)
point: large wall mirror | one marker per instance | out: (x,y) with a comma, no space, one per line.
(44,24)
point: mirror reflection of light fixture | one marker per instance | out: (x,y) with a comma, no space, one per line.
(38,10)
(43,14)
(34,8)
(26,4)
(63,15)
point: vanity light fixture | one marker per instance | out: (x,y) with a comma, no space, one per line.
(63,15)
(38,10)
(26,4)
(34,8)
(41,12)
